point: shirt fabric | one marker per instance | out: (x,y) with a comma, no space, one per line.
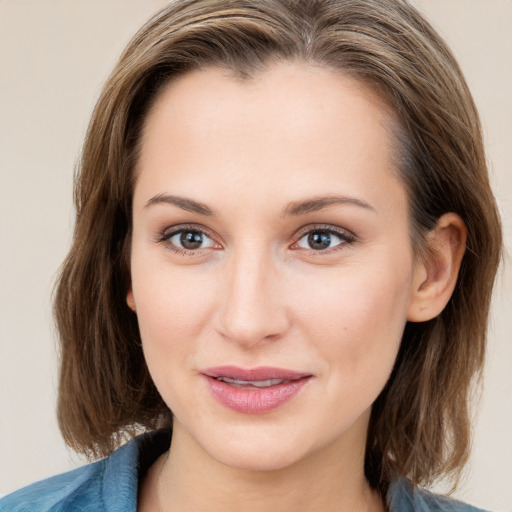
(111,485)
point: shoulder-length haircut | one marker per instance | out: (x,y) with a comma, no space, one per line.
(420,423)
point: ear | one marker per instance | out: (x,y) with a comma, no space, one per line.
(130,300)
(436,274)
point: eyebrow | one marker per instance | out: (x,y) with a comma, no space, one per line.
(313,205)
(295,208)
(181,202)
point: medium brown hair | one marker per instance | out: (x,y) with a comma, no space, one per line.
(420,424)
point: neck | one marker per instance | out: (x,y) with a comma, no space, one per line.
(186,479)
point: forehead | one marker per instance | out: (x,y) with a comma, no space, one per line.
(297,92)
(292,121)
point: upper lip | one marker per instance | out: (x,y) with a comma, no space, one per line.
(253,374)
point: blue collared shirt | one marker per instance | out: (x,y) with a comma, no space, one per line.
(111,485)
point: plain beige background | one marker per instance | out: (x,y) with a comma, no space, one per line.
(54,56)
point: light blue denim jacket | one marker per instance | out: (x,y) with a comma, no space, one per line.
(111,484)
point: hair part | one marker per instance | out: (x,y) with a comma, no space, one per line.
(420,424)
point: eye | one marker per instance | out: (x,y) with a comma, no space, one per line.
(323,239)
(187,240)
(191,240)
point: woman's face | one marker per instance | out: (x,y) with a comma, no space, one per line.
(271,264)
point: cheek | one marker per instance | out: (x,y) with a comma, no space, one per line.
(173,306)
(358,317)
(173,309)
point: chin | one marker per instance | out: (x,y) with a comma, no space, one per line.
(258,460)
(257,449)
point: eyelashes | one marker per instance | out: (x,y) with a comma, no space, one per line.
(188,240)
(323,239)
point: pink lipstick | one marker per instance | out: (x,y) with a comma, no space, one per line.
(256,390)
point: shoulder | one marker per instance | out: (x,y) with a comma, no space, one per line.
(403,497)
(79,487)
(109,484)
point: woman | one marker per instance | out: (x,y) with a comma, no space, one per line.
(317,169)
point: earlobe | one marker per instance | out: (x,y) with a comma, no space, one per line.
(436,275)
(130,300)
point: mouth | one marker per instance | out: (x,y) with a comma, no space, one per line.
(256,390)
(238,383)
(260,374)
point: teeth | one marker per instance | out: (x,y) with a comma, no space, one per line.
(255,383)
(265,383)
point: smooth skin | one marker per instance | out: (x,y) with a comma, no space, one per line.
(270,228)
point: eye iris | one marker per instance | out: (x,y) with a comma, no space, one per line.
(191,239)
(318,240)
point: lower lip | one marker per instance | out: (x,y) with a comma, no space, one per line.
(254,400)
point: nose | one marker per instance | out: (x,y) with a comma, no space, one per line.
(253,308)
